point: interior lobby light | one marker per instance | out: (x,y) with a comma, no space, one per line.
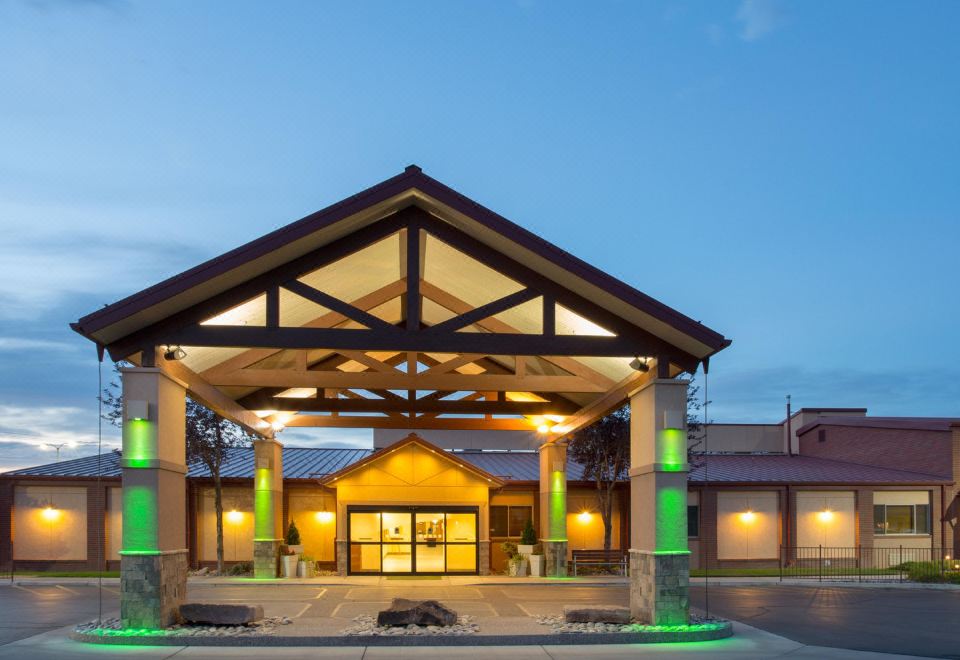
(748,516)
(50,514)
(584,517)
(825,516)
(234,517)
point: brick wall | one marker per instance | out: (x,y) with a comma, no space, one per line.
(915,450)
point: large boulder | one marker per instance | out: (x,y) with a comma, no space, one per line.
(220,613)
(403,612)
(596,614)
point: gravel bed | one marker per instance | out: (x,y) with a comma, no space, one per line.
(265,626)
(366,626)
(558,625)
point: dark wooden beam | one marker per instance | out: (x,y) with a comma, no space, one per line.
(438,406)
(337,305)
(484,311)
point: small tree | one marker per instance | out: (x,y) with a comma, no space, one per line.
(528,536)
(208,436)
(293,534)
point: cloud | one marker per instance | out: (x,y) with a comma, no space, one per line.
(25,344)
(29,435)
(759,18)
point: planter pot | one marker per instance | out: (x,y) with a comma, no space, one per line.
(518,568)
(536,565)
(525,549)
(305,569)
(297,549)
(289,565)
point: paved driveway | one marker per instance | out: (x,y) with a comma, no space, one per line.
(890,620)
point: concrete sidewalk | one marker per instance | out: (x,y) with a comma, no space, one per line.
(747,642)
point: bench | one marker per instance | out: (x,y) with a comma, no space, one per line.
(584,558)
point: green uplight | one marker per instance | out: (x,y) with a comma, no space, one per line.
(138,443)
(673,450)
(139,520)
(671,520)
(558,506)
(264,525)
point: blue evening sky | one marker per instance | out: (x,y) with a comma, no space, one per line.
(784,171)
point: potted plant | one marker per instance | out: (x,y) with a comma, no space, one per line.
(516,563)
(306,566)
(290,552)
(528,538)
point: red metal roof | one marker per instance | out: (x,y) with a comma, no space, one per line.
(901,423)
(779,468)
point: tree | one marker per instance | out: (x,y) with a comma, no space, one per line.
(603,449)
(208,437)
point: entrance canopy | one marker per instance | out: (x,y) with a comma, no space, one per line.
(407,305)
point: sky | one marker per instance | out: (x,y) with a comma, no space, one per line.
(785,172)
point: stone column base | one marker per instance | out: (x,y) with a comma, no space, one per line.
(484,566)
(555,558)
(660,588)
(265,559)
(343,548)
(152,586)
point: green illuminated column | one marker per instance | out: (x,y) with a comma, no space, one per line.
(553,507)
(267,507)
(659,556)
(153,564)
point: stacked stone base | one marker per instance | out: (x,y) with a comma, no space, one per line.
(555,558)
(266,557)
(152,588)
(660,588)
(343,550)
(484,549)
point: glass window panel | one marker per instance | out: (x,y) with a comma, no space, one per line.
(498,521)
(923,519)
(364,526)
(693,520)
(397,558)
(519,515)
(365,557)
(396,527)
(430,528)
(430,558)
(462,557)
(461,527)
(899,519)
(879,519)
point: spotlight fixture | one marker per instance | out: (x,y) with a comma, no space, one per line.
(640,364)
(174,353)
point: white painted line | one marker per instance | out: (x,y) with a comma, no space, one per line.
(68,590)
(320,595)
(27,589)
(300,613)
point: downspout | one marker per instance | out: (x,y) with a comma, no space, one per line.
(943,521)
(789,429)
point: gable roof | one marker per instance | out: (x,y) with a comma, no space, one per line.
(412,439)
(412,187)
(895,423)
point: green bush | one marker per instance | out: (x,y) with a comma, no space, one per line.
(293,534)
(528,537)
(242,568)
(510,550)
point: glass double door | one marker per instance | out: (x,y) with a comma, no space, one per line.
(412,540)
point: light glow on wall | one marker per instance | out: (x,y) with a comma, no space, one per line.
(825,516)
(673,450)
(324,516)
(748,517)
(138,443)
(50,514)
(585,517)
(235,517)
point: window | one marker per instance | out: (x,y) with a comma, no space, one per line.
(901,519)
(509,520)
(693,520)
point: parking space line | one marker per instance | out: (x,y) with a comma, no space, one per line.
(67,589)
(300,613)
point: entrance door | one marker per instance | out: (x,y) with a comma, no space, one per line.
(412,540)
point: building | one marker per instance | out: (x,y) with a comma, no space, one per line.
(414,506)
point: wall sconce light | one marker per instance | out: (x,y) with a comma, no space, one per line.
(50,514)
(324,516)
(825,516)
(640,364)
(543,429)
(137,410)
(277,426)
(235,517)
(748,516)
(174,353)
(584,517)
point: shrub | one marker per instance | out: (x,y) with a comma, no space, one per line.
(510,550)
(528,537)
(242,568)
(293,534)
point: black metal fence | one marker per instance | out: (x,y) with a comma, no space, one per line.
(869,564)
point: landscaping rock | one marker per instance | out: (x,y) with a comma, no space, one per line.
(220,614)
(404,612)
(596,614)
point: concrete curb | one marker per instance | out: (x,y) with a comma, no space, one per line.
(551,639)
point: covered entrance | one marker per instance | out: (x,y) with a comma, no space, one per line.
(406,306)
(413,540)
